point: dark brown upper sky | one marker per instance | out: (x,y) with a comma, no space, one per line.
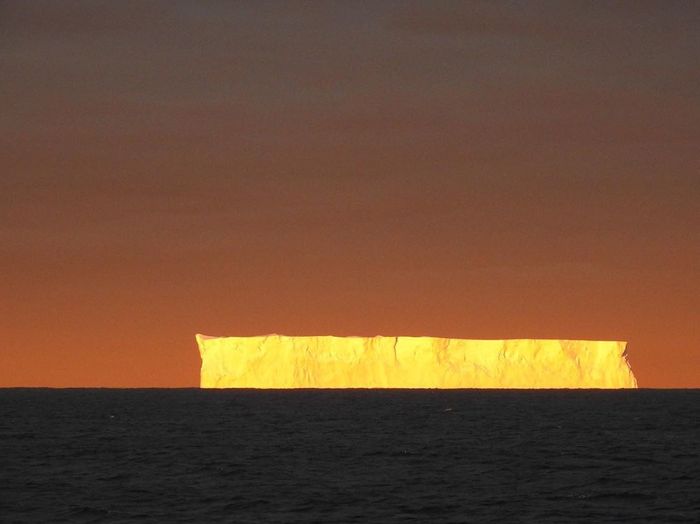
(464,169)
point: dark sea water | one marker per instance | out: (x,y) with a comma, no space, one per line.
(349,456)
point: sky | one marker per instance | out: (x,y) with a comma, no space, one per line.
(458,169)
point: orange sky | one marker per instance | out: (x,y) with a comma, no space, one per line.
(468,170)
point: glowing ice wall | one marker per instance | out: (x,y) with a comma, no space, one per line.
(283,362)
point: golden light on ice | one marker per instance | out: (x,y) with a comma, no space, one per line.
(287,362)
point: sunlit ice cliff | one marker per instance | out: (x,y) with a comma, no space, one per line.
(288,362)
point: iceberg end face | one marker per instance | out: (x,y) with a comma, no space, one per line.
(288,362)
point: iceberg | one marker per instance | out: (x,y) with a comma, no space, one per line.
(289,362)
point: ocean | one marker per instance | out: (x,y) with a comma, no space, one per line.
(189,455)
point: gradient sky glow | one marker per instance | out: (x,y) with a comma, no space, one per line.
(458,169)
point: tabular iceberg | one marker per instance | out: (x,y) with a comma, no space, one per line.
(287,362)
